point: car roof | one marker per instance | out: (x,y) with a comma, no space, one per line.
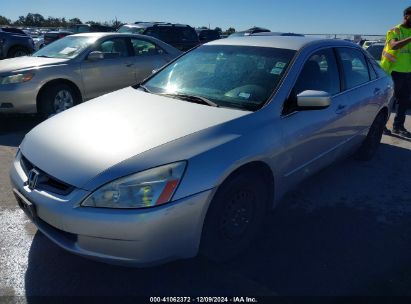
(283,42)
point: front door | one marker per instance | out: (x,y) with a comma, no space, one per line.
(114,72)
(313,137)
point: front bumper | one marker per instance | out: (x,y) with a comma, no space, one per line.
(18,98)
(139,237)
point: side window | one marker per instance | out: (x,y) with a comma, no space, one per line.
(319,73)
(144,48)
(355,68)
(373,74)
(114,48)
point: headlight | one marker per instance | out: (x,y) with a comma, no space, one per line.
(149,188)
(17,78)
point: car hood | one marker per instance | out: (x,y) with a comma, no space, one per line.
(78,144)
(27,62)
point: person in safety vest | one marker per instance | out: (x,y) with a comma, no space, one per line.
(396,60)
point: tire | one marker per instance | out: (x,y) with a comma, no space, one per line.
(18,51)
(235,216)
(371,143)
(57,98)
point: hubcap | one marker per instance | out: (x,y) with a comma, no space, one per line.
(238,214)
(63,101)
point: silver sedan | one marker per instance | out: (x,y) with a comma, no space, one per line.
(78,68)
(192,159)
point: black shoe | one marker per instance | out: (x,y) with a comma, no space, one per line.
(385,131)
(401,131)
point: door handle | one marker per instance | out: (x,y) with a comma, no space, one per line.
(377,91)
(129,64)
(340,109)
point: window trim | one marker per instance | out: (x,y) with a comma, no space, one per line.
(345,88)
(132,50)
(282,115)
(100,42)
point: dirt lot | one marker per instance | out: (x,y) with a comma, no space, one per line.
(345,231)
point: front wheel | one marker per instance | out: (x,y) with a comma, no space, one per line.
(235,216)
(56,99)
(371,143)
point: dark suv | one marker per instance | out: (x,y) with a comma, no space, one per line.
(181,36)
(207,35)
(14,43)
(52,36)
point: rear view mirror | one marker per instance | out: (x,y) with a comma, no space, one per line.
(95,55)
(313,100)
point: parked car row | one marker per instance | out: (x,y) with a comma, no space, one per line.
(77,68)
(191,159)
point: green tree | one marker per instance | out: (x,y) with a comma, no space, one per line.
(4,20)
(74,21)
(230,31)
(218,29)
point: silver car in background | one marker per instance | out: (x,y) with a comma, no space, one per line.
(77,68)
(192,159)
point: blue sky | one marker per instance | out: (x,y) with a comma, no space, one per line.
(302,16)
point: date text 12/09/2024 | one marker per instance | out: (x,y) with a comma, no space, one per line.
(203,300)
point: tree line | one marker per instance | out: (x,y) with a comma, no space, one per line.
(37,20)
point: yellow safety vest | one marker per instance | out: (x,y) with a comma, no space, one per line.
(391,59)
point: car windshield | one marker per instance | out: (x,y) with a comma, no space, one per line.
(242,77)
(66,48)
(131,30)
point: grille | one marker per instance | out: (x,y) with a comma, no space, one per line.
(45,181)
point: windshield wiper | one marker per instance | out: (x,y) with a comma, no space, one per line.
(43,56)
(192,98)
(141,86)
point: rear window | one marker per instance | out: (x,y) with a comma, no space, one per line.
(13,30)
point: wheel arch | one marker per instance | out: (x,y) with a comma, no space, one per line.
(255,166)
(56,82)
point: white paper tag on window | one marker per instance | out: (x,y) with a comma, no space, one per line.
(244,95)
(276,71)
(68,50)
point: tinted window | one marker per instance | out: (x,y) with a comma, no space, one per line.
(185,34)
(355,67)
(143,48)
(376,51)
(373,74)
(320,73)
(13,30)
(114,48)
(208,35)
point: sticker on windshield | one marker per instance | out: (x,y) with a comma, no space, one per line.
(280,65)
(68,50)
(244,95)
(276,71)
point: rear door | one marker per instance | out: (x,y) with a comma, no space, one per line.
(363,92)
(115,71)
(147,56)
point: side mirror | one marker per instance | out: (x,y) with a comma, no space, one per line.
(313,100)
(95,56)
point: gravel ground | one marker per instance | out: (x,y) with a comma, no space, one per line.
(344,231)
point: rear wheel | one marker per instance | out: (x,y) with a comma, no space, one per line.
(57,98)
(18,51)
(235,216)
(371,143)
